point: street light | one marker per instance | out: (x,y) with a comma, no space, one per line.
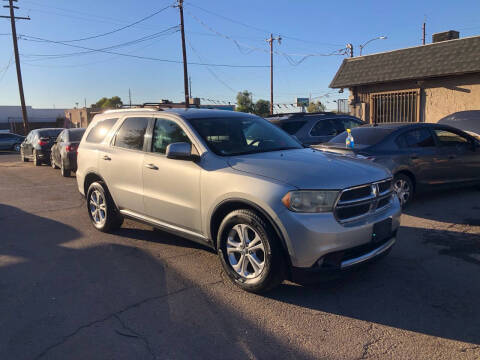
(369,41)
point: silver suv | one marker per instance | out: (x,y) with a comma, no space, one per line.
(237,183)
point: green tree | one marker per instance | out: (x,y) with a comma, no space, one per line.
(113,102)
(244,102)
(316,106)
(262,108)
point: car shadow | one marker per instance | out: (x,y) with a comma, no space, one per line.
(63,293)
(455,206)
(429,288)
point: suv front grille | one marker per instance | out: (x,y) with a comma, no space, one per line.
(357,202)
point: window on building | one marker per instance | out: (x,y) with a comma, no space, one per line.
(393,107)
(100,131)
(166,132)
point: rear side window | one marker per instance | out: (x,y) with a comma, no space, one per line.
(323,128)
(131,134)
(290,127)
(415,139)
(100,130)
(75,135)
(448,138)
(166,132)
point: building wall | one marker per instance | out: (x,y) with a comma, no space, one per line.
(439,97)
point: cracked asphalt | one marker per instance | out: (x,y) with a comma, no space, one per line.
(68,291)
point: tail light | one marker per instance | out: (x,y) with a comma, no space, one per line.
(42,142)
(71,148)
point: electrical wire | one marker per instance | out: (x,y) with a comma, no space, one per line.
(5,68)
(30,38)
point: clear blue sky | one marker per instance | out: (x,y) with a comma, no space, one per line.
(309,26)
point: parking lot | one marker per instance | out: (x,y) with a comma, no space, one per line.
(69,291)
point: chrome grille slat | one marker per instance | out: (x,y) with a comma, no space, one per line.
(351,203)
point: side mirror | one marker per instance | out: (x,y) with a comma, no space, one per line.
(180,151)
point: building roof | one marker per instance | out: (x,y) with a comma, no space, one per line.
(452,57)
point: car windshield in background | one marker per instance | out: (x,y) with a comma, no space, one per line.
(49,133)
(76,135)
(364,135)
(242,135)
(290,127)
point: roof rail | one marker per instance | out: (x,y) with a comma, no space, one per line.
(301,113)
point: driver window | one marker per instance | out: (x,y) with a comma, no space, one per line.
(167,132)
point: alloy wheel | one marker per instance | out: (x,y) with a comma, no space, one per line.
(98,207)
(246,251)
(402,189)
(17,148)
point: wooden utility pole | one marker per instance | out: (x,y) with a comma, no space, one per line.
(423,33)
(12,18)
(270,41)
(184,51)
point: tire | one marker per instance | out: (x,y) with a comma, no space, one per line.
(65,172)
(403,186)
(266,252)
(22,156)
(97,195)
(36,161)
(17,147)
(52,162)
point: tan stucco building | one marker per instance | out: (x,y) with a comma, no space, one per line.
(420,84)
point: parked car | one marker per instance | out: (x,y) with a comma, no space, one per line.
(63,154)
(233,181)
(314,128)
(421,156)
(468,121)
(37,145)
(11,141)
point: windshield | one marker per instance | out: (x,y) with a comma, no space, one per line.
(364,135)
(242,135)
(76,135)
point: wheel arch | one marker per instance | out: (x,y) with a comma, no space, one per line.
(90,178)
(408,173)
(229,205)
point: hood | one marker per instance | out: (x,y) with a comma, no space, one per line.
(310,169)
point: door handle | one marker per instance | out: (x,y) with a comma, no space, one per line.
(106,157)
(151,166)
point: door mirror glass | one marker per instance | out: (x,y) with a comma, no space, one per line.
(179,151)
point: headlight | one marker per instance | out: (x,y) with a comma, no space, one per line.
(310,201)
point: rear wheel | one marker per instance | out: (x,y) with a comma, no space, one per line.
(36,160)
(101,208)
(65,172)
(250,252)
(403,187)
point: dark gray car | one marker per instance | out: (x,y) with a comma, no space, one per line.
(10,141)
(64,153)
(315,128)
(37,145)
(421,156)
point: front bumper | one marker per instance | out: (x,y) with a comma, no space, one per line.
(311,237)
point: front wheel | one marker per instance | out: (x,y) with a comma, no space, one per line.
(250,251)
(403,187)
(101,208)
(16,147)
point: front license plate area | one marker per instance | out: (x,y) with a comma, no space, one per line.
(382,230)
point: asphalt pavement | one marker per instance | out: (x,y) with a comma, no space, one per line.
(68,291)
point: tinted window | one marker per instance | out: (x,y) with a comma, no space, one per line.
(75,135)
(350,123)
(49,133)
(236,135)
(323,128)
(132,133)
(364,135)
(100,130)
(290,127)
(165,133)
(60,137)
(415,139)
(448,138)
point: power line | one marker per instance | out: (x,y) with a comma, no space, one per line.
(28,37)
(6,67)
(121,28)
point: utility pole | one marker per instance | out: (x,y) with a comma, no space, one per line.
(270,41)
(350,49)
(129,97)
(423,33)
(184,51)
(12,18)
(190,86)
